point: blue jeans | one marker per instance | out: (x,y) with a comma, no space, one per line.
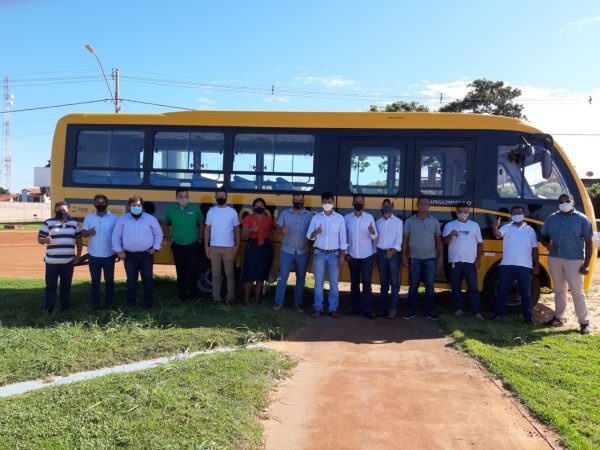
(506,277)
(421,270)
(361,270)
(458,271)
(286,260)
(97,266)
(139,263)
(330,262)
(389,269)
(53,273)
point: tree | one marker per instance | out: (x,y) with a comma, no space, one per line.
(4,191)
(400,106)
(594,193)
(360,163)
(488,97)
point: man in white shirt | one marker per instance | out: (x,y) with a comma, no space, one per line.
(328,230)
(360,232)
(136,238)
(98,228)
(221,244)
(520,259)
(463,238)
(387,255)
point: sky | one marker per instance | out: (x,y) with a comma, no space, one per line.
(297,56)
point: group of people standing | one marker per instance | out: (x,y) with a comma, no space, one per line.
(357,238)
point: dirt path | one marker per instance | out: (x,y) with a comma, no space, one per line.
(364,384)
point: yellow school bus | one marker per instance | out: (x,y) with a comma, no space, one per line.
(491,163)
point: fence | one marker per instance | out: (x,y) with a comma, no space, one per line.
(15,212)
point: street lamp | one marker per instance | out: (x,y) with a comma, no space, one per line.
(115,100)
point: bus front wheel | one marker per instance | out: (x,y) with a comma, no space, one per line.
(513,306)
(205,278)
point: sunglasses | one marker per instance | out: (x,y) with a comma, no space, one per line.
(566,201)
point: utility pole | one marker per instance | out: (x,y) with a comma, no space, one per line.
(115,76)
(5,170)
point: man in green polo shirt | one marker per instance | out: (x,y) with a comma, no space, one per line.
(187,229)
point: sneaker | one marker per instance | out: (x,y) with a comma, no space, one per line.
(496,318)
(458,312)
(584,328)
(555,322)
(478,316)
(432,316)
(408,316)
(298,309)
(316,314)
(529,321)
(335,314)
(276,307)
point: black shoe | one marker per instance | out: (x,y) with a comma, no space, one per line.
(352,312)
(496,318)
(409,315)
(432,316)
(555,322)
(584,328)
(529,321)
(382,313)
(369,315)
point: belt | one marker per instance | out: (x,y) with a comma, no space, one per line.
(386,249)
(327,251)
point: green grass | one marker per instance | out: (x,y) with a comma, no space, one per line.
(34,346)
(28,226)
(208,402)
(555,372)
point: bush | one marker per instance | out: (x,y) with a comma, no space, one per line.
(594,193)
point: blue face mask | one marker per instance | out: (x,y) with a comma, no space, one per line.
(386,209)
(136,210)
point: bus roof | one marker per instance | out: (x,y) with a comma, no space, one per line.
(348,120)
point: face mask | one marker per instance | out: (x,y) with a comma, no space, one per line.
(327,207)
(221,201)
(518,218)
(386,209)
(100,208)
(183,201)
(462,216)
(61,215)
(298,205)
(259,210)
(136,210)
(565,207)
(358,206)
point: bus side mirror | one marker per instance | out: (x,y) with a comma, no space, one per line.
(546,164)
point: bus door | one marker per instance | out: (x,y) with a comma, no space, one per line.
(445,171)
(375,169)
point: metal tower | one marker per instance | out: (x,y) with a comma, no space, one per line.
(5,172)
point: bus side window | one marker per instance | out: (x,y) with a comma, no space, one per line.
(443,171)
(375,170)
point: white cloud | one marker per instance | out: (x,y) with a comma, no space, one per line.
(206,101)
(329,81)
(277,99)
(578,26)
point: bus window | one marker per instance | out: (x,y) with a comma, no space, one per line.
(375,170)
(510,180)
(109,157)
(443,171)
(187,159)
(269,161)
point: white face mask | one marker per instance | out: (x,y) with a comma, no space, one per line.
(462,216)
(183,201)
(327,207)
(518,218)
(565,207)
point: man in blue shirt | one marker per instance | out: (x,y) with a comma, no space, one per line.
(293,224)
(98,228)
(136,237)
(564,234)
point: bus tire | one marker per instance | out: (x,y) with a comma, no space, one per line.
(205,281)
(513,306)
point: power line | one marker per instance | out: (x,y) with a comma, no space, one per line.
(158,104)
(60,106)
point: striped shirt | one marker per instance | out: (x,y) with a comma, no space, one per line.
(62,248)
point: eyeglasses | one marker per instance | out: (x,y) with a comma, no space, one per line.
(566,201)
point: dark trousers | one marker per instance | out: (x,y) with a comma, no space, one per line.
(139,263)
(468,272)
(507,275)
(361,270)
(422,269)
(186,266)
(97,266)
(53,273)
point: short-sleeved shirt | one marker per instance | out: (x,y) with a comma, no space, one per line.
(222,222)
(62,248)
(518,244)
(184,223)
(267,226)
(421,236)
(294,242)
(100,245)
(463,248)
(568,234)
